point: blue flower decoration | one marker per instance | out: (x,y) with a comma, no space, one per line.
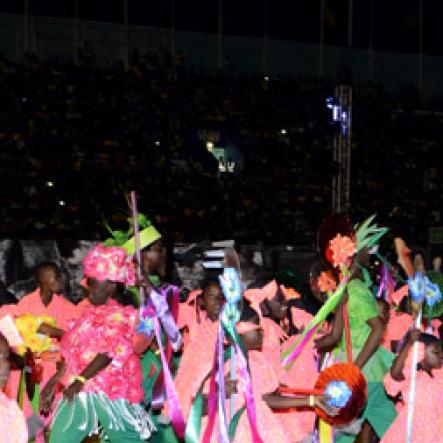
(146,325)
(417,287)
(338,394)
(231,313)
(433,293)
(231,286)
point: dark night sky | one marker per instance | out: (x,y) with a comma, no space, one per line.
(395,21)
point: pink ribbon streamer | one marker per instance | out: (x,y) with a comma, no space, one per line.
(245,381)
(212,400)
(175,412)
(248,394)
(297,351)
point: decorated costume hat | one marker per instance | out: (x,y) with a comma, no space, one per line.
(148,235)
(338,240)
(333,226)
(109,263)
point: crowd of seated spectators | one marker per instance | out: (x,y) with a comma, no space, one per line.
(75,138)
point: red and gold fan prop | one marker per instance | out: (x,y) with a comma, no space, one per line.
(356,382)
(354,379)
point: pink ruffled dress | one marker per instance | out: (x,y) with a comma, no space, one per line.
(271,426)
(427,425)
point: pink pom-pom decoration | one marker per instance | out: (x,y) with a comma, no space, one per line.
(342,248)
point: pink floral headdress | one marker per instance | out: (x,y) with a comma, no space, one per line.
(109,263)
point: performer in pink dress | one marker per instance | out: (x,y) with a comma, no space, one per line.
(46,300)
(427,425)
(101,372)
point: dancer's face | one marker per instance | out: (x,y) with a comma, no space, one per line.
(154,259)
(313,283)
(51,279)
(99,292)
(278,306)
(213,301)
(434,356)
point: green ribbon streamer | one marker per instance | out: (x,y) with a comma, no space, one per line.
(231,332)
(321,315)
(193,426)
(234,423)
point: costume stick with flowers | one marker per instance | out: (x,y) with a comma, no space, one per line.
(153,306)
(231,286)
(422,292)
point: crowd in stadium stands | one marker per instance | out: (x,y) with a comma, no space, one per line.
(74,139)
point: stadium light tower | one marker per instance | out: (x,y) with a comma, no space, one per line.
(341,107)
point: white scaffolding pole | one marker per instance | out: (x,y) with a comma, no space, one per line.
(341,145)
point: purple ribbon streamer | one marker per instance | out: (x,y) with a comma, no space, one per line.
(163,312)
(387,283)
(222,421)
(160,302)
(175,412)
(248,394)
(218,374)
(382,286)
(296,352)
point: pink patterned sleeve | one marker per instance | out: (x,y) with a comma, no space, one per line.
(111,334)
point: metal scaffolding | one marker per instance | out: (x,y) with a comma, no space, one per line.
(341,146)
